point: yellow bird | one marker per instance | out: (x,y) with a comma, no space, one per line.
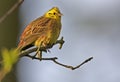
(42,32)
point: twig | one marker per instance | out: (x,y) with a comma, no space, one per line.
(72,67)
(54,59)
(15,6)
(33,57)
(66,66)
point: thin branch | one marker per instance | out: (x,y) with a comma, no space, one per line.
(33,57)
(54,59)
(14,7)
(72,67)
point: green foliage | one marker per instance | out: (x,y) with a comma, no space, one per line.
(9,58)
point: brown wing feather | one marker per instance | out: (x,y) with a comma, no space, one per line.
(33,31)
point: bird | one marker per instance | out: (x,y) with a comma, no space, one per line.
(42,31)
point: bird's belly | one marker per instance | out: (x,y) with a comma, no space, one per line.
(53,37)
(46,40)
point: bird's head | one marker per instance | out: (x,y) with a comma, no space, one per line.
(53,13)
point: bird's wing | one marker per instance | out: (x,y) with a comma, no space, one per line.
(34,30)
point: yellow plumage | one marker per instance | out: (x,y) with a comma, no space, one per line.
(42,32)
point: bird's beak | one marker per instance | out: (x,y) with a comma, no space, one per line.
(60,14)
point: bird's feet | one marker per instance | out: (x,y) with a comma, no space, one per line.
(38,55)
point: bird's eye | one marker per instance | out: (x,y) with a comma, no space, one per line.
(54,13)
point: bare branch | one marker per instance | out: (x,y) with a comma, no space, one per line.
(54,59)
(33,57)
(15,6)
(72,67)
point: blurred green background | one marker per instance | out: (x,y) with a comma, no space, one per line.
(9,29)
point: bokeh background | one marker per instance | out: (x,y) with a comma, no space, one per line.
(90,28)
(9,29)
